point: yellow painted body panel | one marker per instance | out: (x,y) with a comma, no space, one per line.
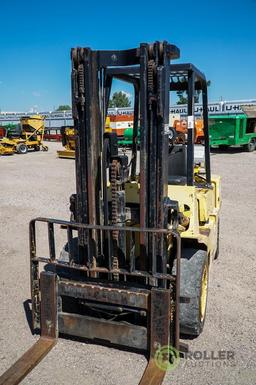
(70,154)
(200,205)
(36,122)
(108,128)
(7,149)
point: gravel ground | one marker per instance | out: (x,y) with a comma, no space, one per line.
(39,184)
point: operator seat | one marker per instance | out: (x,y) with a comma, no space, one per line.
(177,165)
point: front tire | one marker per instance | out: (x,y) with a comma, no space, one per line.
(194,277)
(22,148)
(250,146)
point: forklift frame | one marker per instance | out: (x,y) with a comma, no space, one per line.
(100,271)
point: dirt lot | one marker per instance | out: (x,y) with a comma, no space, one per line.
(39,184)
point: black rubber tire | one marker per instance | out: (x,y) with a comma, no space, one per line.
(217,252)
(250,146)
(192,265)
(37,148)
(21,148)
(223,146)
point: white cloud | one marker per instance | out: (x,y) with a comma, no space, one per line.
(36,93)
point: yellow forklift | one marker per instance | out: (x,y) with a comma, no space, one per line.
(31,137)
(144,227)
(69,140)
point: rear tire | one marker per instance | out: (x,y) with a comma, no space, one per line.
(193,285)
(249,147)
(21,148)
(223,147)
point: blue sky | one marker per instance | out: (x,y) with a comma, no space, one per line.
(217,36)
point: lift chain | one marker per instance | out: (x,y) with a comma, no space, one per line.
(114,214)
(81,87)
(151,68)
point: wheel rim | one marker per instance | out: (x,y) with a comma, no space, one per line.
(203,297)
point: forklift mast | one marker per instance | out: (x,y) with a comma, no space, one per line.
(92,74)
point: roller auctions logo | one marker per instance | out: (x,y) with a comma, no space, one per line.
(167,358)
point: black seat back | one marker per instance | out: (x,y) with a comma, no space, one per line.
(177,165)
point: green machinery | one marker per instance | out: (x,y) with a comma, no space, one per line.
(11,130)
(230,130)
(127,140)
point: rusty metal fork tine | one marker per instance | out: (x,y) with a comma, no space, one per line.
(152,374)
(15,374)
(160,308)
(49,333)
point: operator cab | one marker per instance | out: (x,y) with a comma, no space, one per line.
(183,154)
